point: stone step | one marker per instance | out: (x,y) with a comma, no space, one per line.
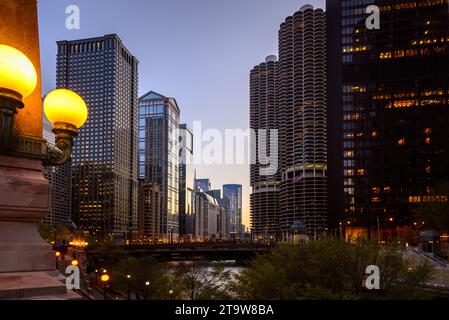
(33,285)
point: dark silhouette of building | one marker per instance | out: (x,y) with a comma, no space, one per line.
(389,116)
(104,159)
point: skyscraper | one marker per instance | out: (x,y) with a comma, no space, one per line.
(186,182)
(104,159)
(264,199)
(233,192)
(301,100)
(202,185)
(150,203)
(389,138)
(60,179)
(159,154)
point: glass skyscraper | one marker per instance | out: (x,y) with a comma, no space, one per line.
(389,117)
(233,193)
(186,182)
(104,159)
(159,154)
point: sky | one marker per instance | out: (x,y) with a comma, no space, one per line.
(197,51)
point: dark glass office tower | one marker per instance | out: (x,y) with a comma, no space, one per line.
(264,198)
(159,155)
(233,194)
(104,159)
(301,104)
(186,182)
(389,138)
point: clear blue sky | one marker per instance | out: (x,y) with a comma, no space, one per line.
(198,51)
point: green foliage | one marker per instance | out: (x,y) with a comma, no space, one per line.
(56,234)
(436,214)
(141,270)
(327,269)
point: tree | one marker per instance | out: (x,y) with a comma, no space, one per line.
(327,269)
(436,213)
(141,270)
(54,234)
(198,283)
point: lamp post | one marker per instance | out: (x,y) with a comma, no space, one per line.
(57,255)
(128,278)
(171,292)
(147,287)
(105,279)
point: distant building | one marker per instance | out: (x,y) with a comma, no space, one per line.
(207,217)
(159,154)
(186,183)
(104,159)
(202,185)
(60,179)
(150,203)
(233,192)
(214,193)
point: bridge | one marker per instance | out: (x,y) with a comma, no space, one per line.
(207,251)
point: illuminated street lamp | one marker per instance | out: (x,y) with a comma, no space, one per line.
(68,112)
(75,262)
(147,287)
(57,255)
(18,79)
(105,279)
(128,277)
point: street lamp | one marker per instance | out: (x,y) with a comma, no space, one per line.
(128,277)
(57,255)
(75,262)
(147,286)
(68,112)
(105,278)
(171,294)
(18,79)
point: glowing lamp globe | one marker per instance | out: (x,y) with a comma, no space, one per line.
(17,73)
(105,278)
(63,106)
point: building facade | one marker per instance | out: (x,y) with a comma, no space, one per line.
(104,159)
(186,183)
(149,218)
(389,141)
(301,104)
(264,198)
(207,217)
(233,193)
(60,179)
(159,154)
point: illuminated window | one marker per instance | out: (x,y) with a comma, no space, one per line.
(428,140)
(401,142)
(375,134)
(428,169)
(361,172)
(387,189)
(428,131)
(375,190)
